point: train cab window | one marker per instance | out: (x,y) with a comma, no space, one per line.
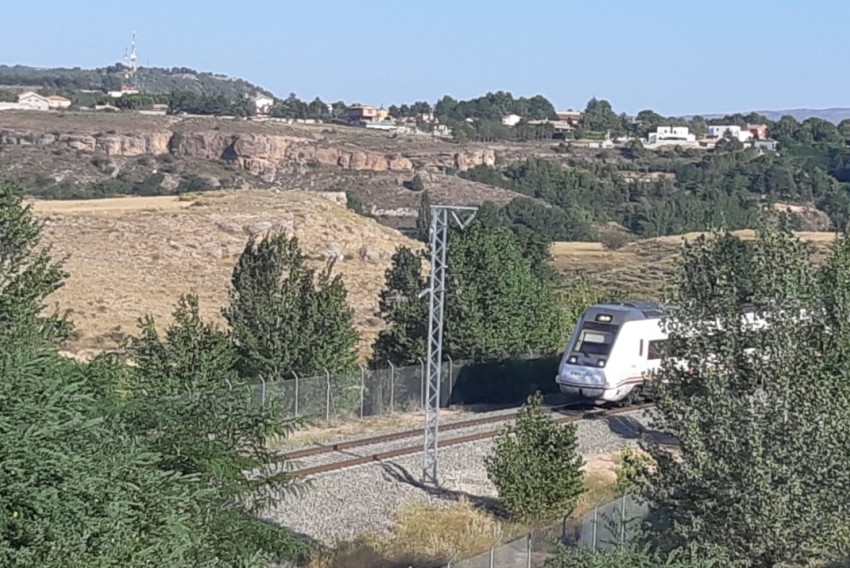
(640,350)
(656,349)
(594,342)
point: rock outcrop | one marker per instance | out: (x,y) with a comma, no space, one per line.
(264,155)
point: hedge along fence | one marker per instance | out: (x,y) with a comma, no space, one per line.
(375,392)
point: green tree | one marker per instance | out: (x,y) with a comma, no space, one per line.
(760,416)
(417,184)
(404,340)
(535,466)
(496,305)
(187,399)
(28,273)
(423,218)
(284,317)
(78,488)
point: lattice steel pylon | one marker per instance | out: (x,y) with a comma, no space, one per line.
(437,295)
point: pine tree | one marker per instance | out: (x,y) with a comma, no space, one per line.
(496,305)
(761,473)
(284,318)
(423,218)
(28,273)
(404,340)
(188,400)
(536,467)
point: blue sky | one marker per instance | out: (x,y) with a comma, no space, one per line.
(676,57)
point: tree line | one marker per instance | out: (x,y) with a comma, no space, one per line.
(694,194)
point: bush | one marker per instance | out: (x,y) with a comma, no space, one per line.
(536,467)
(614,240)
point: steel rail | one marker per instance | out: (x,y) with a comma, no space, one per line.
(377,457)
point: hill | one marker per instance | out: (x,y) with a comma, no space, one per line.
(151,79)
(135,255)
(643,267)
(834,115)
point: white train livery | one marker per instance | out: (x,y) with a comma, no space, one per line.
(614,348)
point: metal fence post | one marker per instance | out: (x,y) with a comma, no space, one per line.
(392,386)
(362,388)
(492,556)
(296,393)
(451,377)
(528,551)
(622,520)
(595,517)
(328,397)
(422,384)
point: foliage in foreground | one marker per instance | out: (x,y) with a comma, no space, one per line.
(762,472)
(536,467)
(632,557)
(102,466)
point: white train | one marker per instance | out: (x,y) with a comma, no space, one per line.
(613,349)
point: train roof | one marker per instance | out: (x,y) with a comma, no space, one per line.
(637,310)
(621,312)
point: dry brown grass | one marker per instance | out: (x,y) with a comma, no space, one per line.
(135,255)
(433,532)
(641,268)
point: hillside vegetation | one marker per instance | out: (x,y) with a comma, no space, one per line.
(151,79)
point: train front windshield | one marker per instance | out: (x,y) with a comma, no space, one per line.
(595,340)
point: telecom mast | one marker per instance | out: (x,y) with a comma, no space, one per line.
(130,80)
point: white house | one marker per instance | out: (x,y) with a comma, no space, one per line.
(263,104)
(670,136)
(742,135)
(33,101)
(511,119)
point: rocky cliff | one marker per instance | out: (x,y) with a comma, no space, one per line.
(265,155)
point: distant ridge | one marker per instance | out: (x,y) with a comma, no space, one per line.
(834,114)
(151,79)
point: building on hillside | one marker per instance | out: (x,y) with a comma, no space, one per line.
(759,131)
(124,91)
(33,101)
(360,113)
(670,136)
(765,144)
(263,104)
(511,119)
(570,116)
(738,133)
(58,102)
(560,127)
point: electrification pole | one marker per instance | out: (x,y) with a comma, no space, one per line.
(437,292)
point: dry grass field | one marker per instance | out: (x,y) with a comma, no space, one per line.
(641,268)
(132,256)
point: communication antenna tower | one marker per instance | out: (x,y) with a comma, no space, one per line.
(130,64)
(437,293)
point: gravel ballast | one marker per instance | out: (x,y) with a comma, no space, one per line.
(342,504)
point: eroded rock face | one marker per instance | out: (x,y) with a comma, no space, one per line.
(264,155)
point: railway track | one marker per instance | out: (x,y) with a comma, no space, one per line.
(389,454)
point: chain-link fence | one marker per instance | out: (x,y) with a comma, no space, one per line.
(374,392)
(606,527)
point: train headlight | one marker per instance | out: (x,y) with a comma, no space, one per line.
(572,359)
(601,363)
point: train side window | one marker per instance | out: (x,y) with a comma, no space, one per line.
(640,352)
(656,349)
